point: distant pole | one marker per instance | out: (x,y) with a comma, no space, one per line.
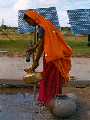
(35,41)
(2,21)
(88,40)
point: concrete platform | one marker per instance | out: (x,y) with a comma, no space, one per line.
(12,70)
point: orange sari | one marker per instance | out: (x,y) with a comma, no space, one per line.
(57,62)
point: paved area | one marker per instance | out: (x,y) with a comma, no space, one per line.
(81,68)
(12,68)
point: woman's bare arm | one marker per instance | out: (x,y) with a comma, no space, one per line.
(39,52)
(38,55)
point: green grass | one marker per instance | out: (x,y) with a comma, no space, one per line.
(78,44)
(14,46)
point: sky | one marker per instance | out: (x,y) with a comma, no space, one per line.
(9,9)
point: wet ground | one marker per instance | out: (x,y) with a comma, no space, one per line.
(17,104)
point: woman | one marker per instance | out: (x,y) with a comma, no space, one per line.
(57,54)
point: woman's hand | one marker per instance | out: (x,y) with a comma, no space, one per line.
(28,70)
(31,69)
(35,65)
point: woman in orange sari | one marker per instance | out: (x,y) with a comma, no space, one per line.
(57,58)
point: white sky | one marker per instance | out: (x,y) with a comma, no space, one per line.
(9,8)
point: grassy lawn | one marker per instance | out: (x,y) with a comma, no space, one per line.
(14,46)
(78,44)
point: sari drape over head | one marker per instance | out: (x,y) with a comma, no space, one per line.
(55,48)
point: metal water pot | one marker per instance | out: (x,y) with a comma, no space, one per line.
(62,106)
(33,77)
